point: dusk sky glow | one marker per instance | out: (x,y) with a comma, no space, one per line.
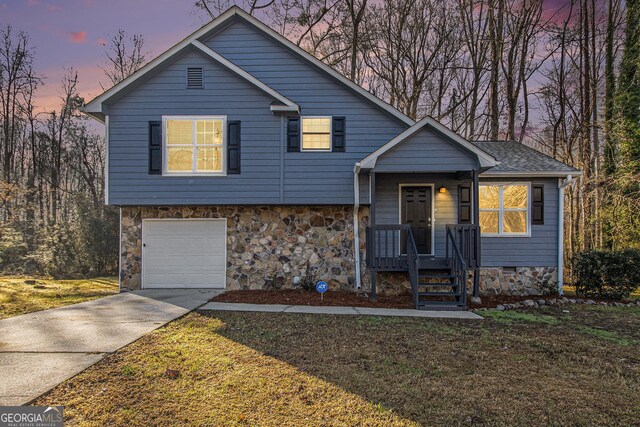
(72,33)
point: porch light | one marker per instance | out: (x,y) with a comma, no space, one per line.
(442,189)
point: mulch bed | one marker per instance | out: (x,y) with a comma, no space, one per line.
(299,297)
(351,299)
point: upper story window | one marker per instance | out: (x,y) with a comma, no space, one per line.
(194,145)
(504,209)
(316,134)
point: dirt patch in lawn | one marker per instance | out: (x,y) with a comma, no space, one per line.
(20,295)
(549,367)
(300,297)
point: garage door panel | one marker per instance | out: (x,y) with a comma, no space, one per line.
(184,253)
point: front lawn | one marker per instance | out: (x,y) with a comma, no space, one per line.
(24,295)
(535,367)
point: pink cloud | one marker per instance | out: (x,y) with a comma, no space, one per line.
(77,36)
(101,41)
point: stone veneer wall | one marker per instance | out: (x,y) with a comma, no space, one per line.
(493,281)
(263,243)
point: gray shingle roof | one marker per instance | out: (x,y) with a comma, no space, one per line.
(516,157)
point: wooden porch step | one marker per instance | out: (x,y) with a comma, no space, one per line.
(436,276)
(448,306)
(438,285)
(439,294)
(432,264)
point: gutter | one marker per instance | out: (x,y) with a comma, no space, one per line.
(356,226)
(562,183)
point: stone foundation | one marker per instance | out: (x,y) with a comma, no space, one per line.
(493,281)
(272,246)
(267,246)
(521,281)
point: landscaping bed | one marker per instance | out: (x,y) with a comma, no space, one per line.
(353,299)
(301,297)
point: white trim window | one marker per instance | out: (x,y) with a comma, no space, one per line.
(504,209)
(194,145)
(316,133)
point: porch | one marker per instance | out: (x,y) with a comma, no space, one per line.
(425,225)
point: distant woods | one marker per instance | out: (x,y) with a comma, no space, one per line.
(565,81)
(53,220)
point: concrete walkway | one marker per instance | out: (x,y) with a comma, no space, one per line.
(40,350)
(307,309)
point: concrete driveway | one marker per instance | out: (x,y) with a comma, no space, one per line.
(40,350)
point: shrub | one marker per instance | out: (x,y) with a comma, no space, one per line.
(607,274)
(308,282)
(13,248)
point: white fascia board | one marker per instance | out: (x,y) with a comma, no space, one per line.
(242,73)
(285,109)
(485,159)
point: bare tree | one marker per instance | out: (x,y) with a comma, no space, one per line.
(125,55)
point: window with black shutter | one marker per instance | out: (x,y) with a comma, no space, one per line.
(537,204)
(464,203)
(339,134)
(233,147)
(293,134)
(155,148)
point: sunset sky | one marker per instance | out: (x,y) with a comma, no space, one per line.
(71,33)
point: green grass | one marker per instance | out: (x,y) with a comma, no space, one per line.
(19,297)
(536,367)
(608,336)
(512,316)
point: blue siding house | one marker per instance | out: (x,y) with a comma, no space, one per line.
(236,158)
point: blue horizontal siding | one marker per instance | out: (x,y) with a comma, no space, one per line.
(425,151)
(539,250)
(446,204)
(269,175)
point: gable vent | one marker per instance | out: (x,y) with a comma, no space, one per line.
(195,78)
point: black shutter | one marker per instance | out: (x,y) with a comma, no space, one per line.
(537,205)
(233,147)
(293,134)
(155,148)
(338,129)
(464,204)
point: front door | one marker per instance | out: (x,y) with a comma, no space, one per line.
(416,211)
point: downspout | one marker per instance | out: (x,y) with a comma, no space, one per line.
(562,183)
(356,227)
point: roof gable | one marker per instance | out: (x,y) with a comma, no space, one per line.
(485,160)
(95,107)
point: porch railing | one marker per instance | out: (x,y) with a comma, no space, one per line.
(412,266)
(467,238)
(458,267)
(384,251)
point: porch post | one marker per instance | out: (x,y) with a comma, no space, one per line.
(372,209)
(476,221)
(372,222)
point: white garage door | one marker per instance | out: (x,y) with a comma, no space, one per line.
(184,253)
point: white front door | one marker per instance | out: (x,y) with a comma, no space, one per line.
(184,253)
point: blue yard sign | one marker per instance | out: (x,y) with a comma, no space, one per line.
(322,287)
